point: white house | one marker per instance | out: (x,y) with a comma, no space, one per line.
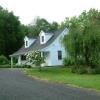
(48,43)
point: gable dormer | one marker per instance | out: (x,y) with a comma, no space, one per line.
(28,41)
(44,37)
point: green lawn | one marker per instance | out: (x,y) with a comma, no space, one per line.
(63,75)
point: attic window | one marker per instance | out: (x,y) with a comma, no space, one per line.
(42,38)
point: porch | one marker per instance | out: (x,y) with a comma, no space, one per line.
(21,59)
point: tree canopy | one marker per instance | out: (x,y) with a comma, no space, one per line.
(83,40)
(10,32)
(42,24)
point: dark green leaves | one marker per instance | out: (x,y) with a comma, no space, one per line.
(83,40)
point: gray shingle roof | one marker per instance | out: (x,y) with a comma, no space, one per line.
(36,45)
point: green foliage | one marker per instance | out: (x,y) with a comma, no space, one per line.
(5,66)
(97,70)
(41,24)
(35,58)
(83,40)
(63,75)
(3,60)
(68,61)
(65,23)
(10,32)
(54,26)
(80,69)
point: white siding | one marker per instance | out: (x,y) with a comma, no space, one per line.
(52,58)
(56,46)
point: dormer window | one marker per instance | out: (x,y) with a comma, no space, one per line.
(28,41)
(42,38)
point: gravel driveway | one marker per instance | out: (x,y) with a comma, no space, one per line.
(14,85)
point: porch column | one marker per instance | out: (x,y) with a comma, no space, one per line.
(19,60)
(11,62)
(41,54)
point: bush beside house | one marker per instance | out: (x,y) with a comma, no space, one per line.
(3,60)
(35,58)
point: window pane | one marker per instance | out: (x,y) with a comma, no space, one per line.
(42,38)
(59,55)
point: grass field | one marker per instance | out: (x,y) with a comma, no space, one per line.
(63,75)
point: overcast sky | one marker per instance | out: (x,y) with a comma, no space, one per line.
(52,10)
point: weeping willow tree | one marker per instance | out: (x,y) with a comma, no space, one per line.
(83,40)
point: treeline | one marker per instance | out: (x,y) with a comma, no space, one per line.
(11,34)
(83,41)
(12,31)
(41,24)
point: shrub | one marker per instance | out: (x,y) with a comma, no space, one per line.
(80,61)
(36,58)
(97,70)
(79,69)
(68,61)
(5,66)
(91,70)
(3,60)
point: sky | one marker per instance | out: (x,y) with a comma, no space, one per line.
(51,10)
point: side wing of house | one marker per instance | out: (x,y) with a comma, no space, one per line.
(56,51)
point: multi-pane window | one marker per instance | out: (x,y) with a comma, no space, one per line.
(59,55)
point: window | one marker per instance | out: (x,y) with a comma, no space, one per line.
(59,55)
(23,57)
(42,38)
(26,43)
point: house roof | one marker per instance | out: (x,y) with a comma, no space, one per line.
(36,45)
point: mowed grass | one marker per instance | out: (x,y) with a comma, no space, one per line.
(64,75)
